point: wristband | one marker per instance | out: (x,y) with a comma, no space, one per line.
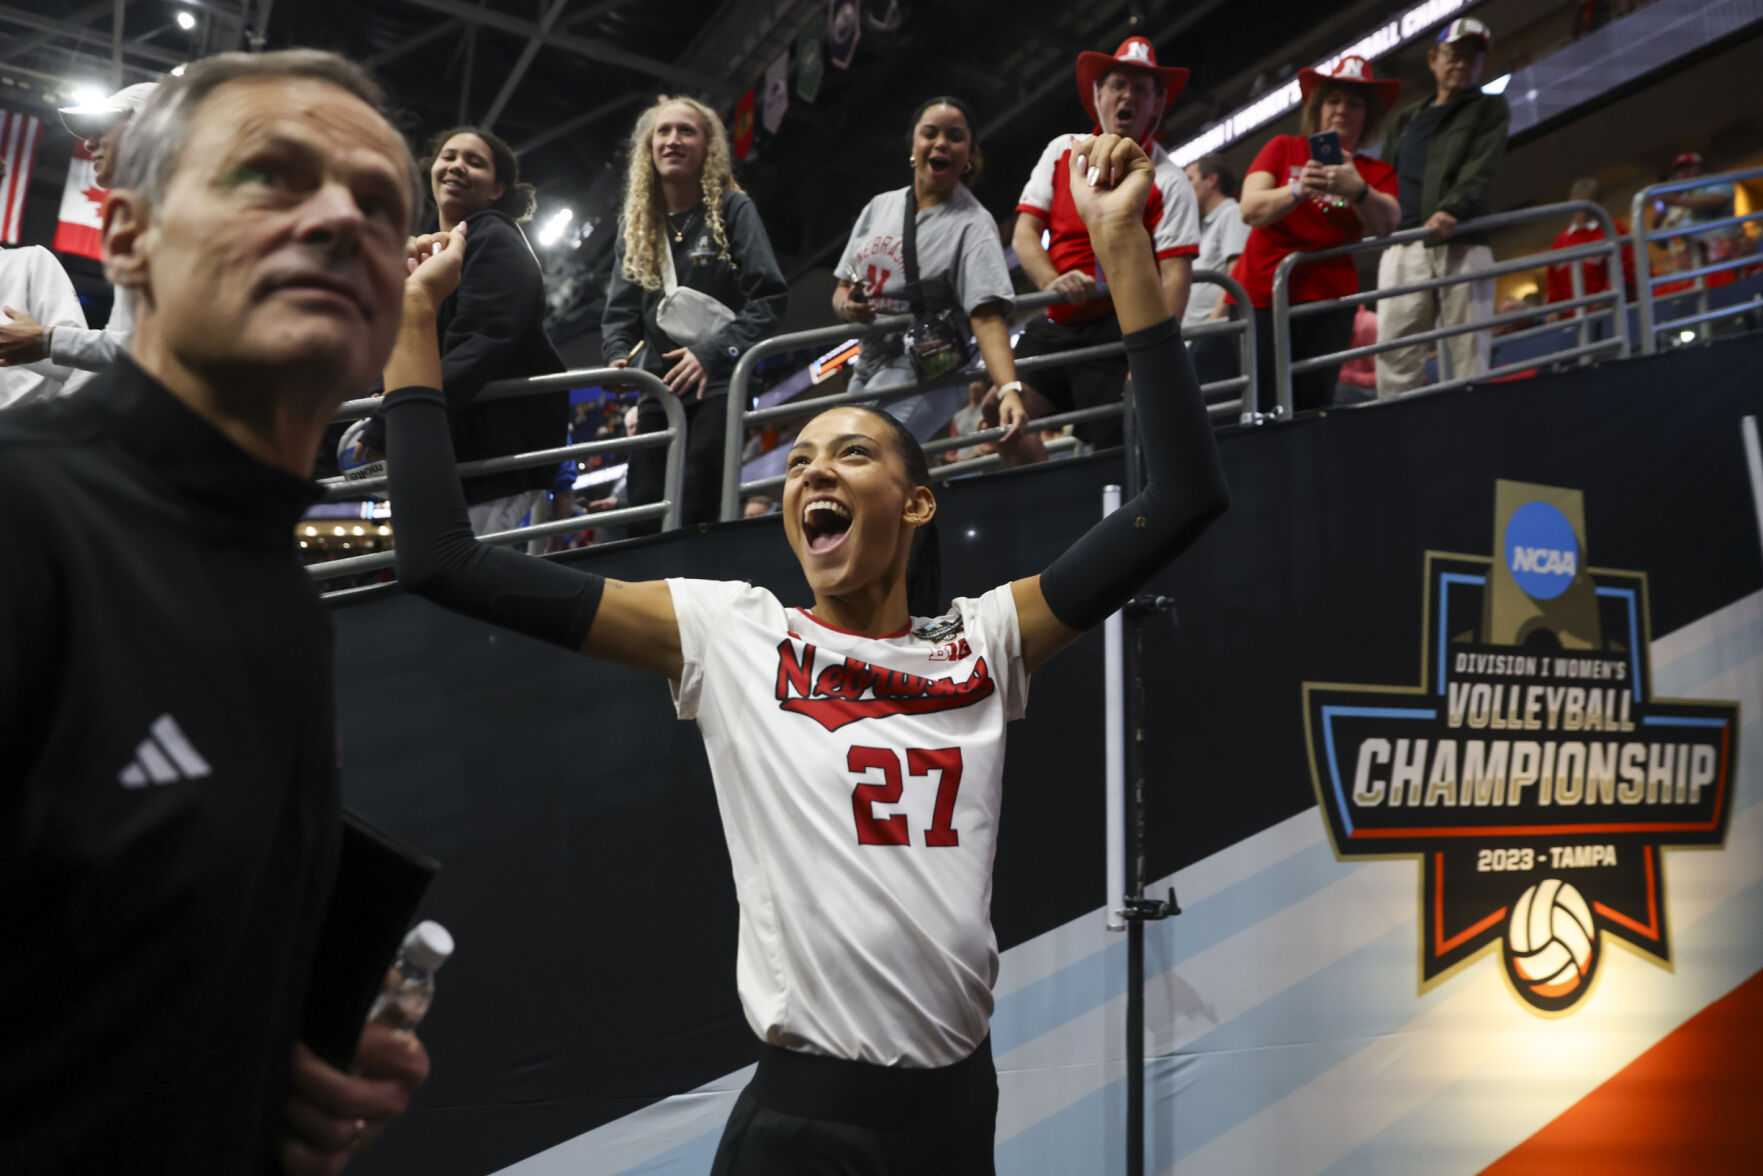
(1364,191)
(1297,193)
(1013,386)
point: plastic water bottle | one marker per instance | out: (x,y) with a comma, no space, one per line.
(410,986)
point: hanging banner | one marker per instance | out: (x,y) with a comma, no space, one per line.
(18,150)
(743,125)
(777,93)
(810,61)
(844,25)
(81,227)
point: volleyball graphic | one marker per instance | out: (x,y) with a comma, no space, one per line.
(1552,940)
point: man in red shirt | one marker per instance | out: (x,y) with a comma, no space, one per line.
(1126,94)
(1583,230)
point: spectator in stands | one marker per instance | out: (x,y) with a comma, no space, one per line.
(685,213)
(1222,237)
(492,328)
(172,811)
(1357,381)
(1444,151)
(26,340)
(1694,206)
(1582,229)
(31,278)
(961,269)
(1296,204)
(1127,94)
(757,506)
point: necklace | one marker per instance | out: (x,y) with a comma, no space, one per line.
(684,226)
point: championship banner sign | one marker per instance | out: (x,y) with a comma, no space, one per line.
(1532,772)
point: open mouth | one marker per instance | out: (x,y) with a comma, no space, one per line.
(825,523)
(938,164)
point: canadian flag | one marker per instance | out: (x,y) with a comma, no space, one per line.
(81,229)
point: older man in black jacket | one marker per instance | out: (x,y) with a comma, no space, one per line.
(169,812)
(1444,151)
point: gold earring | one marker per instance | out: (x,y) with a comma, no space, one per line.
(912,161)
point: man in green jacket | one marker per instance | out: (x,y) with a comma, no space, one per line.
(1444,152)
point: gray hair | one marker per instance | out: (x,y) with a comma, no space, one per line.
(154,143)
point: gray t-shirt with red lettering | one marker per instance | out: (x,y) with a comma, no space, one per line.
(960,262)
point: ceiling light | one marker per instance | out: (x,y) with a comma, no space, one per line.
(90,97)
(1498,85)
(177,71)
(1686,336)
(186,20)
(553,230)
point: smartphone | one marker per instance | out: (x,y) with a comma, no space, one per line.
(1325,148)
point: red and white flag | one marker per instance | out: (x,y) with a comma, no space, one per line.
(81,229)
(18,146)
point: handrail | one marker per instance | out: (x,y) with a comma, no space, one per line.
(646,383)
(1645,300)
(735,436)
(1283,310)
(740,416)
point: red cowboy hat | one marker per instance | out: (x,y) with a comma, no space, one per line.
(1351,70)
(1134,53)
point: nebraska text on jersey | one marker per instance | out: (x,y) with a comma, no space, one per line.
(849,690)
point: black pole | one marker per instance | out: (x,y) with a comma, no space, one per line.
(1137,908)
(1131,652)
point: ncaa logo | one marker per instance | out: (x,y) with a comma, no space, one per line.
(1541,550)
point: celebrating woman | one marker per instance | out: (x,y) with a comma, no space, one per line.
(1295,204)
(491,328)
(866,955)
(961,269)
(686,224)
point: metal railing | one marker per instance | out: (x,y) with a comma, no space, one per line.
(1645,300)
(646,383)
(1283,312)
(733,489)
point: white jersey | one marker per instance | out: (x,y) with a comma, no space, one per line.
(859,781)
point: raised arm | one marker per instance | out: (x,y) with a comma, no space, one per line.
(438,557)
(1184,485)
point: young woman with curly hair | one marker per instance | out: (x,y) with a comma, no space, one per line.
(680,195)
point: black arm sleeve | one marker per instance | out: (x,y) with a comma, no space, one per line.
(1184,489)
(437,555)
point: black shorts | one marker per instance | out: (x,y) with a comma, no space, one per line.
(1085,384)
(805,1114)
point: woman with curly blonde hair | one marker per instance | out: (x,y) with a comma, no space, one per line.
(682,204)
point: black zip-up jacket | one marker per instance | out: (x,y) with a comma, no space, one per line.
(169,810)
(493,328)
(746,279)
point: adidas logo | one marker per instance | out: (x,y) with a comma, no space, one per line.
(164,757)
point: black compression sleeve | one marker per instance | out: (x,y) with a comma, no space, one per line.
(437,555)
(1184,489)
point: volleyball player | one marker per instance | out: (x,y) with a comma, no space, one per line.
(856,745)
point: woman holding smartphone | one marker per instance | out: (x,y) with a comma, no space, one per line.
(1295,202)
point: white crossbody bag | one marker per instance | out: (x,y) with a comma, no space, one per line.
(687,316)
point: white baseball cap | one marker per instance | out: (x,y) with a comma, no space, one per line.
(90,120)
